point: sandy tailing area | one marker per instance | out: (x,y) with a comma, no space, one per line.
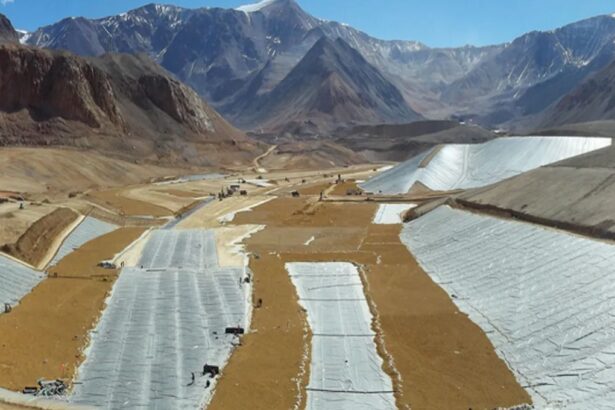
(441,359)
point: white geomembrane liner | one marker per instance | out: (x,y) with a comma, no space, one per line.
(163,323)
(545,299)
(464,166)
(346,370)
(391,214)
(16,281)
(89,229)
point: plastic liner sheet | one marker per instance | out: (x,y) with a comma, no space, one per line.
(89,229)
(261,183)
(391,214)
(160,326)
(545,299)
(464,166)
(192,249)
(346,370)
(16,281)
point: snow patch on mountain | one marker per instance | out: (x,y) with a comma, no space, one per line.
(252,8)
(23,35)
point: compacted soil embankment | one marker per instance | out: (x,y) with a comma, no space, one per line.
(33,246)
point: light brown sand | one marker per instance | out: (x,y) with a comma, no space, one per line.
(165,199)
(53,172)
(45,334)
(208,216)
(229,243)
(445,360)
(116,200)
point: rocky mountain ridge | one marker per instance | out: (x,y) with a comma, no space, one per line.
(124,105)
(230,55)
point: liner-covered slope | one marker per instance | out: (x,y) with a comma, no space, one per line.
(90,228)
(463,166)
(163,323)
(346,370)
(545,299)
(16,281)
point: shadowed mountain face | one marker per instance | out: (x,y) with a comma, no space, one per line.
(7,31)
(332,85)
(121,104)
(593,100)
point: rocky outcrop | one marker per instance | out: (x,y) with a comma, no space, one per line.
(123,104)
(55,85)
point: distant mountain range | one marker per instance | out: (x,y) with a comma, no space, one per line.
(592,100)
(251,64)
(229,56)
(120,104)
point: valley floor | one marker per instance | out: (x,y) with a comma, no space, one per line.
(434,355)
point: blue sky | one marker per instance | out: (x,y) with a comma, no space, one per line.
(437,23)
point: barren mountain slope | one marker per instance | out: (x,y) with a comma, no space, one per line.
(218,51)
(121,104)
(593,100)
(332,86)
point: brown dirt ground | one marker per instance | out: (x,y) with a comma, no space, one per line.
(184,194)
(164,199)
(262,373)
(314,189)
(115,199)
(445,361)
(342,189)
(32,247)
(45,334)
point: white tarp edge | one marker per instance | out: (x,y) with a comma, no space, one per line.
(391,214)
